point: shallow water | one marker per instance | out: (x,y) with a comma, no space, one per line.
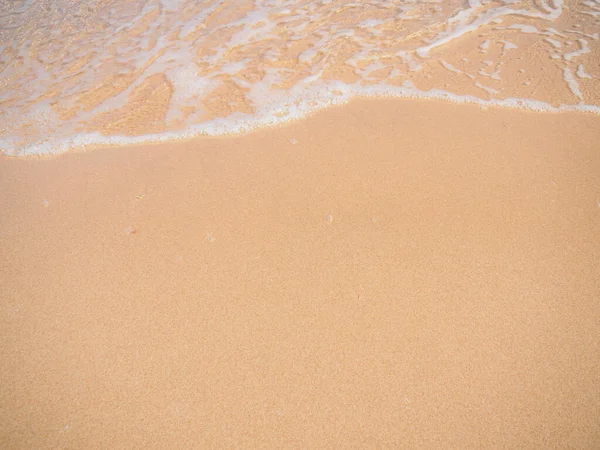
(92,72)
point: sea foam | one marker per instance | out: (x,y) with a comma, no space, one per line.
(83,73)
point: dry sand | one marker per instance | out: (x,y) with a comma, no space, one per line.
(391,273)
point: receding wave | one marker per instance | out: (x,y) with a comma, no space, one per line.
(93,72)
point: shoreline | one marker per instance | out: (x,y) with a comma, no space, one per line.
(187,135)
(463,52)
(390,271)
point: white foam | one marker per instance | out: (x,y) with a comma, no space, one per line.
(289,108)
(198,21)
(372,24)
(581,73)
(449,66)
(493,75)
(584,48)
(594,36)
(553,42)
(253,51)
(572,83)
(487,89)
(188,88)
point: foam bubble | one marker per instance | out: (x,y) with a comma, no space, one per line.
(572,83)
(581,73)
(114,72)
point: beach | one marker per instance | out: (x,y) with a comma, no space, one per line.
(299,224)
(395,273)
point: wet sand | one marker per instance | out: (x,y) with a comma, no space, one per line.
(390,273)
(126,72)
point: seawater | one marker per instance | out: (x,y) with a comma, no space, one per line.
(75,73)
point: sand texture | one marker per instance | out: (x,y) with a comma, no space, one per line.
(391,273)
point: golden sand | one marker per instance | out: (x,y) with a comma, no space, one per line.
(385,274)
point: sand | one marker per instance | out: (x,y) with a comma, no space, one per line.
(390,273)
